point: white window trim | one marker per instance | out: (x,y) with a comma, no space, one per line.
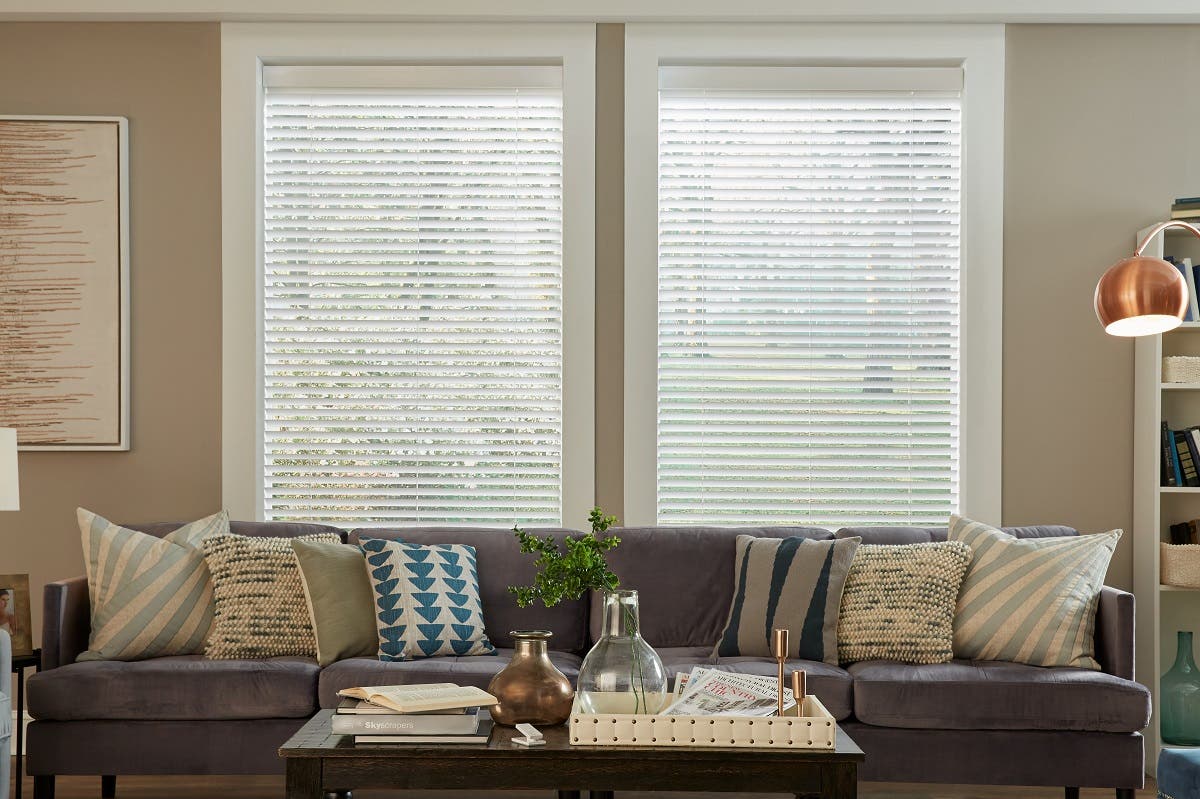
(245,50)
(979,51)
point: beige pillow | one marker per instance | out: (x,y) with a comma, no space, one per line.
(340,600)
(150,596)
(898,603)
(260,608)
(1030,600)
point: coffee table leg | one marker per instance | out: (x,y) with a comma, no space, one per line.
(600,794)
(304,778)
(839,782)
(568,795)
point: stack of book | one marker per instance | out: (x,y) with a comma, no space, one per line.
(1186,532)
(1180,460)
(1186,208)
(436,713)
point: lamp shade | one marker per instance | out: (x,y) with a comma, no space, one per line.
(10,495)
(1141,296)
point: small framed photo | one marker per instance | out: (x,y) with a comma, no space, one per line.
(15,612)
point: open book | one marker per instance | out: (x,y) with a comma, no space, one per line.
(419,698)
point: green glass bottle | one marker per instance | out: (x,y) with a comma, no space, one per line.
(1180,697)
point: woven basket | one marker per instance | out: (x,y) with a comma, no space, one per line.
(1180,564)
(1181,369)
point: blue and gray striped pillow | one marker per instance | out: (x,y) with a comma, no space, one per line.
(789,583)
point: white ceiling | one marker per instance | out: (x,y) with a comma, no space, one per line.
(1015,11)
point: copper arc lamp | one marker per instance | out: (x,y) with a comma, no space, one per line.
(1142,296)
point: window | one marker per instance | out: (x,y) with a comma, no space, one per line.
(413,290)
(807,356)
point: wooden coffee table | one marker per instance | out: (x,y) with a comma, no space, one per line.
(319,762)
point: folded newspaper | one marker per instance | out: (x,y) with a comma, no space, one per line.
(709,692)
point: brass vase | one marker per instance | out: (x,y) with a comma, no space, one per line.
(530,689)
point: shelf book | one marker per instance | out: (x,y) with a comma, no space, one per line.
(1179,465)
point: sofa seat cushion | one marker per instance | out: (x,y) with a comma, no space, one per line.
(993,695)
(476,670)
(186,687)
(832,685)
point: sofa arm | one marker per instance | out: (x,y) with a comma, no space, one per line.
(1114,632)
(66,622)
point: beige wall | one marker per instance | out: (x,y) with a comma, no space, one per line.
(166,80)
(1086,166)
(1102,132)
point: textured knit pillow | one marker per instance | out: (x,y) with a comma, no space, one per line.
(426,600)
(1030,600)
(150,596)
(790,583)
(260,608)
(899,601)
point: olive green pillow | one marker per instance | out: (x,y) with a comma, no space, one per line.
(339,599)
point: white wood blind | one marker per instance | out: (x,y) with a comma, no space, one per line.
(808,306)
(412,303)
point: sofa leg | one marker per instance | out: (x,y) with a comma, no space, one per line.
(1071,793)
(43,786)
(108,786)
(1126,793)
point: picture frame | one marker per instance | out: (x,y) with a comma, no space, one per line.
(15,612)
(64,322)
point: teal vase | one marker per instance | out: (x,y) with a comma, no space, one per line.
(1179,697)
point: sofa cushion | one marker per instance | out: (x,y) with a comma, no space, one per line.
(701,561)
(790,583)
(1031,601)
(150,596)
(501,564)
(898,603)
(340,601)
(993,695)
(187,687)
(923,535)
(831,684)
(476,670)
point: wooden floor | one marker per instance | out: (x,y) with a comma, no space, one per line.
(272,788)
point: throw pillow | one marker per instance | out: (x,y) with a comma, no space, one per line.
(339,599)
(790,583)
(426,600)
(1030,600)
(260,608)
(899,602)
(150,596)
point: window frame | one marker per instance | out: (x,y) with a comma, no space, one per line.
(246,48)
(979,51)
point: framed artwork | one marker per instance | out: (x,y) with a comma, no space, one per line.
(64,281)
(15,613)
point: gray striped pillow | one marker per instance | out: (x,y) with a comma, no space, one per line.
(789,583)
(150,597)
(1030,600)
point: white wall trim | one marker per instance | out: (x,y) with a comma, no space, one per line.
(973,11)
(245,50)
(979,50)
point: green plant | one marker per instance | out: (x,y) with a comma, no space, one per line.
(571,573)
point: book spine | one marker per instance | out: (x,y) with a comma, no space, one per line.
(405,725)
(1168,464)
(1175,467)
(1189,457)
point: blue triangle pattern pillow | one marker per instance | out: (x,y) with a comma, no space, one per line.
(434,609)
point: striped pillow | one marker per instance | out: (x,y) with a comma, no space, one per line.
(789,583)
(1030,600)
(150,596)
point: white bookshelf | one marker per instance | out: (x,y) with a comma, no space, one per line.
(1161,609)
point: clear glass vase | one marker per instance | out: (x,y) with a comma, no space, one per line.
(622,673)
(1179,697)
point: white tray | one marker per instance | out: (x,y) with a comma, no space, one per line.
(813,727)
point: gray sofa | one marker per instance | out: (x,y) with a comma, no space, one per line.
(960,722)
